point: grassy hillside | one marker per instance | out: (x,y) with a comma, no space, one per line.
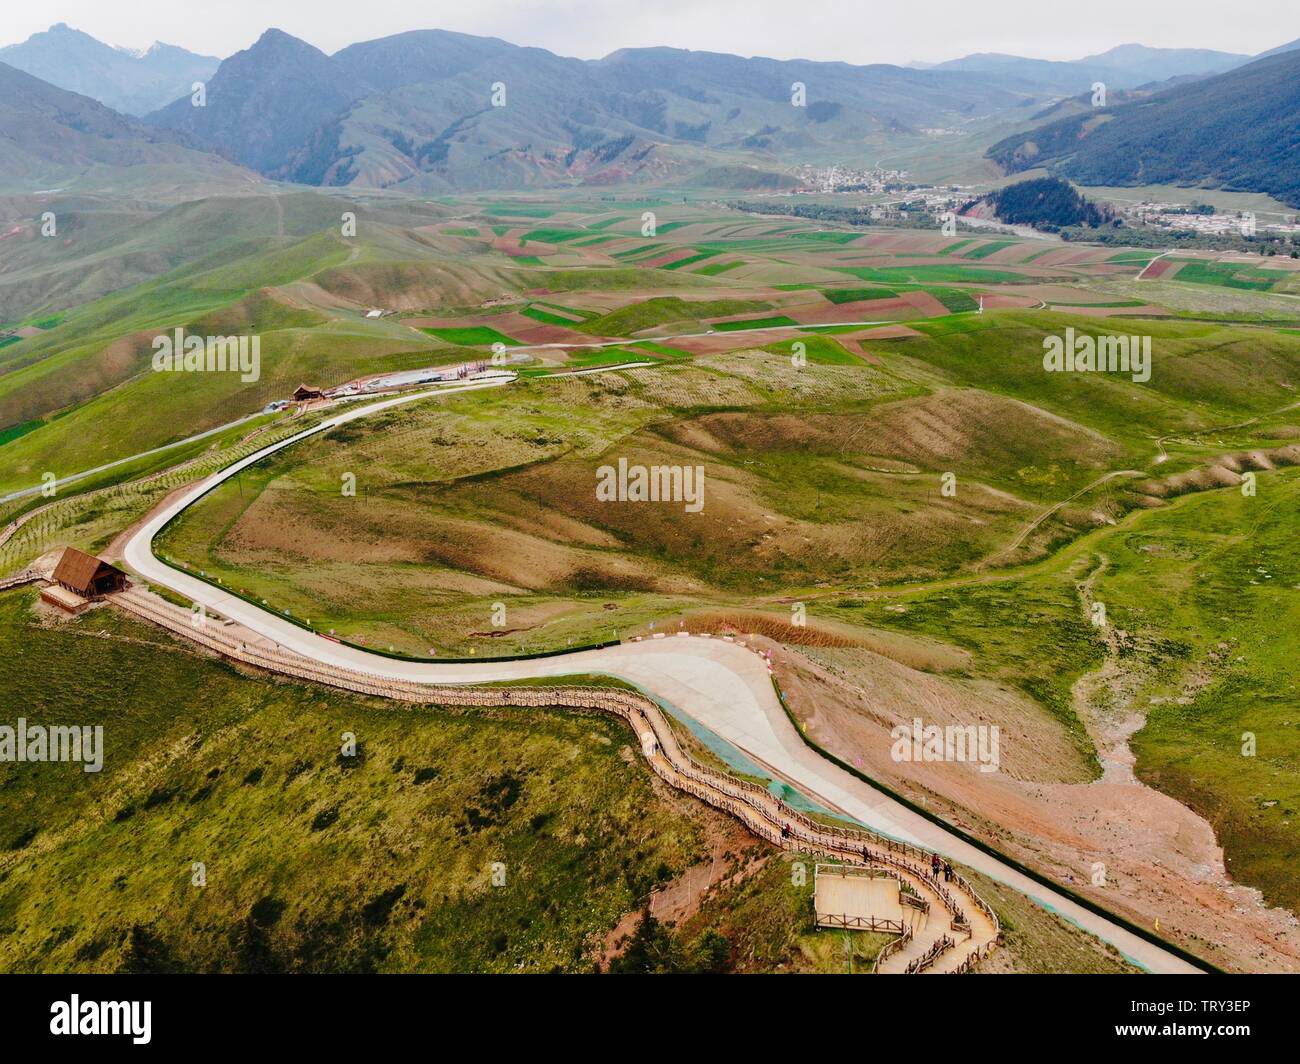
(315,862)
(828,475)
(1205,591)
(920,476)
(83,314)
(1209,588)
(1232,130)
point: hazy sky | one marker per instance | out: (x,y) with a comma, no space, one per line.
(857,31)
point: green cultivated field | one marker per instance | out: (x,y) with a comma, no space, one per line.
(1230,275)
(854,295)
(932,274)
(665,310)
(473,335)
(754,323)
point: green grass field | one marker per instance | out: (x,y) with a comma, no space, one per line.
(1229,275)
(887,275)
(983,251)
(820,351)
(472,335)
(771,322)
(548,318)
(855,295)
(665,310)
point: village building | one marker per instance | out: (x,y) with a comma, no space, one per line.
(305,393)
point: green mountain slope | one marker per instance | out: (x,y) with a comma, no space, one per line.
(1239,130)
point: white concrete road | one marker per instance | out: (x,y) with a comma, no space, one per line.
(724,686)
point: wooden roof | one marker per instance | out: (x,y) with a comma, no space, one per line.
(78,570)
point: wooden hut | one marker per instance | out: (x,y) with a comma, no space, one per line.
(87,576)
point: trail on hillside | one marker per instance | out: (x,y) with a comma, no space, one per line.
(1161,838)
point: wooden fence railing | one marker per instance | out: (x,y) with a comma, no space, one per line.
(921,963)
(890,948)
(860,923)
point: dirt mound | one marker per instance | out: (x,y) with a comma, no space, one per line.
(758,525)
(739,431)
(852,698)
(932,432)
(1224,472)
(407,285)
(950,425)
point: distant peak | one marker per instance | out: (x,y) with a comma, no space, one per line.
(62,29)
(277,46)
(274,36)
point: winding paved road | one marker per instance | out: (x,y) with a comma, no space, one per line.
(722,685)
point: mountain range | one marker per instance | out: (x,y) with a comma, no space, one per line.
(1124,67)
(134,83)
(417,110)
(430,111)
